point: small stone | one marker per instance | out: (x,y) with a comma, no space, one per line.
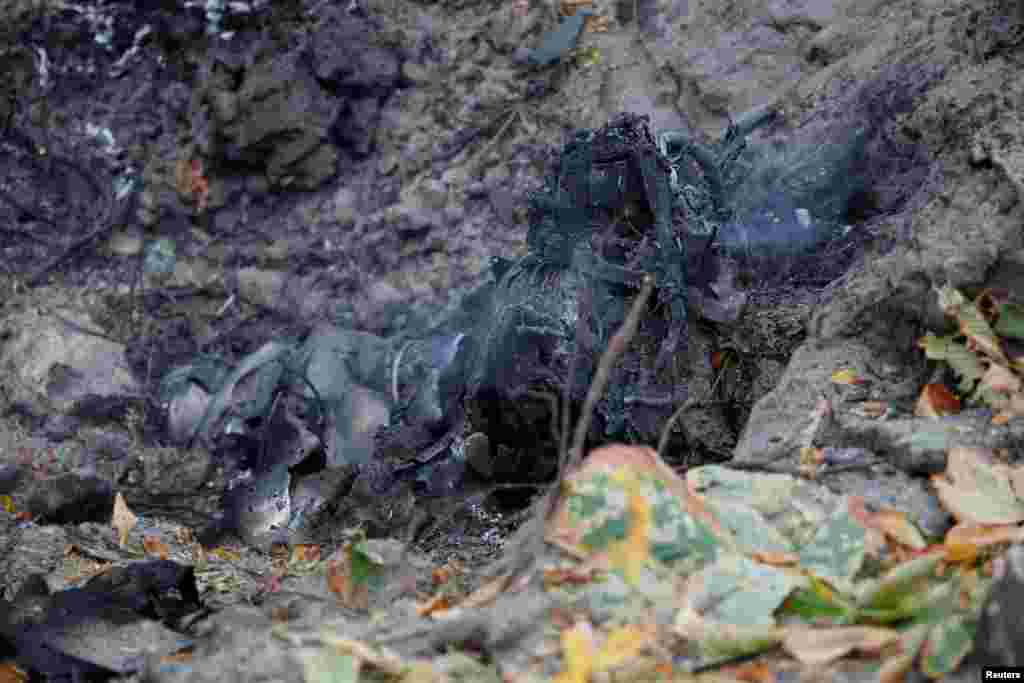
(414,72)
(434,194)
(476,190)
(454,215)
(478,454)
(979,155)
(803,217)
(225,106)
(345,207)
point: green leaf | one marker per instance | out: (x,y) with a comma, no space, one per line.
(963,361)
(365,570)
(836,553)
(1011,320)
(949,641)
(584,506)
(328,667)
(893,587)
(611,531)
(751,530)
(810,605)
(737,590)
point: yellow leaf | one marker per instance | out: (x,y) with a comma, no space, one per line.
(622,644)
(578,652)
(846,376)
(631,553)
(964,541)
(226,554)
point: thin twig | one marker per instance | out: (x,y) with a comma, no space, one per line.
(479,157)
(616,347)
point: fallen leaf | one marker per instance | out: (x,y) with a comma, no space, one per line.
(621,645)
(486,593)
(305,552)
(122,520)
(936,400)
(776,559)
(889,521)
(568,576)
(578,653)
(963,361)
(10,673)
(631,553)
(379,658)
(348,575)
(847,376)
(225,553)
(752,672)
(965,541)
(978,490)
(1011,320)
(949,641)
(606,514)
(726,358)
(154,546)
(438,603)
(872,409)
(896,668)
(821,646)
(447,572)
(973,325)
(720,641)
(893,588)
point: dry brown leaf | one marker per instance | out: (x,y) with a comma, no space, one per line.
(890,522)
(965,541)
(812,645)
(936,400)
(486,593)
(895,669)
(305,552)
(122,520)
(154,546)
(776,558)
(380,658)
(596,24)
(443,574)
(976,488)
(1001,379)
(872,409)
(438,603)
(340,580)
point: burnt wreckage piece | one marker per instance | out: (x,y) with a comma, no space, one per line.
(620,205)
(600,174)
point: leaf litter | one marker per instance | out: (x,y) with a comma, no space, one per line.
(720,572)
